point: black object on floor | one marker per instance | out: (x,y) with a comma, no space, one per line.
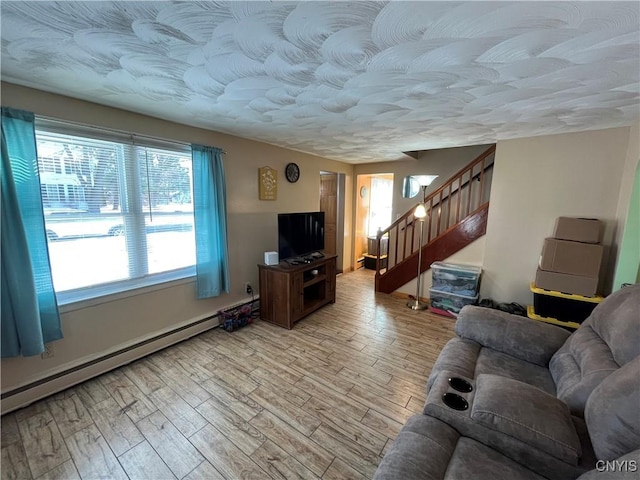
(513,307)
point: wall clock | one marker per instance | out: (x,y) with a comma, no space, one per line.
(292,172)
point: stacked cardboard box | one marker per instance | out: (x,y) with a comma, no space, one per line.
(571,260)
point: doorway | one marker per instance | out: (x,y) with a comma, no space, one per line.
(374,203)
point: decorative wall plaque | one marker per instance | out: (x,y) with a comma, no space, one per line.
(268,183)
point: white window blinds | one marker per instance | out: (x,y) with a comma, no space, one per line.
(118,210)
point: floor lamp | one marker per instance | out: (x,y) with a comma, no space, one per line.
(419,215)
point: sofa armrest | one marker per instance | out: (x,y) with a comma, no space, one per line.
(523,338)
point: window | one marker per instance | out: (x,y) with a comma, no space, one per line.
(380,203)
(118,213)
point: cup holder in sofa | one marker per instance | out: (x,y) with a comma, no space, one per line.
(455,401)
(460,384)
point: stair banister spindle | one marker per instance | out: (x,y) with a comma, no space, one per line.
(447,219)
(481,181)
(404,238)
(378,247)
(412,244)
(470,185)
(430,210)
(459,199)
(398,239)
(439,213)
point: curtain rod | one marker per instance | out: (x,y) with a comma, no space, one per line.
(115,131)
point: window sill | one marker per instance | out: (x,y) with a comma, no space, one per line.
(84,298)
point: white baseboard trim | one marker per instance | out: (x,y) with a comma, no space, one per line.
(88,368)
(27,394)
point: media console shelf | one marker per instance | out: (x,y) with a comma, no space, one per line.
(291,292)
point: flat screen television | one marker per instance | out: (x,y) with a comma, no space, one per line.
(300,234)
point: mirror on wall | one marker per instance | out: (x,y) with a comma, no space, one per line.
(412,184)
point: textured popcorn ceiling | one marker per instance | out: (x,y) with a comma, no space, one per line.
(354,81)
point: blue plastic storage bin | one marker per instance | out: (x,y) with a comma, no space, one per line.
(450,302)
(457,279)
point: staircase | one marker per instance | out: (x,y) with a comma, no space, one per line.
(457,215)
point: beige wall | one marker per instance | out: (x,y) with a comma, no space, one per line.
(94,330)
(537,180)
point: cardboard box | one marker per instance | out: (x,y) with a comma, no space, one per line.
(574,258)
(565,283)
(586,230)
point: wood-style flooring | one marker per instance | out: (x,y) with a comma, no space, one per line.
(324,400)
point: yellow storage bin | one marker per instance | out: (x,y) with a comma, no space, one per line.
(531,313)
(562,306)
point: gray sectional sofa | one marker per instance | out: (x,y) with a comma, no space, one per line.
(514,398)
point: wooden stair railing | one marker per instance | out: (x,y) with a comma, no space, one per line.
(457,215)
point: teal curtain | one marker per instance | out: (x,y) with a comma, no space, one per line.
(210,217)
(30,316)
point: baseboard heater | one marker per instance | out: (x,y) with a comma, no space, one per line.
(25,395)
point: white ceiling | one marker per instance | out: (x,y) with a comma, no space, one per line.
(353,81)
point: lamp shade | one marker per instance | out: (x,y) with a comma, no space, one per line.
(425,180)
(420,211)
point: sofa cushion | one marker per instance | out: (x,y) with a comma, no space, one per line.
(612,414)
(429,449)
(497,363)
(523,338)
(472,459)
(528,414)
(422,449)
(468,359)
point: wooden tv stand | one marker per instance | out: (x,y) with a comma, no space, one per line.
(291,292)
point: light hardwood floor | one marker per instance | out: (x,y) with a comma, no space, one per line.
(324,400)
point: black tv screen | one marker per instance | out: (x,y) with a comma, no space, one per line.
(300,234)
